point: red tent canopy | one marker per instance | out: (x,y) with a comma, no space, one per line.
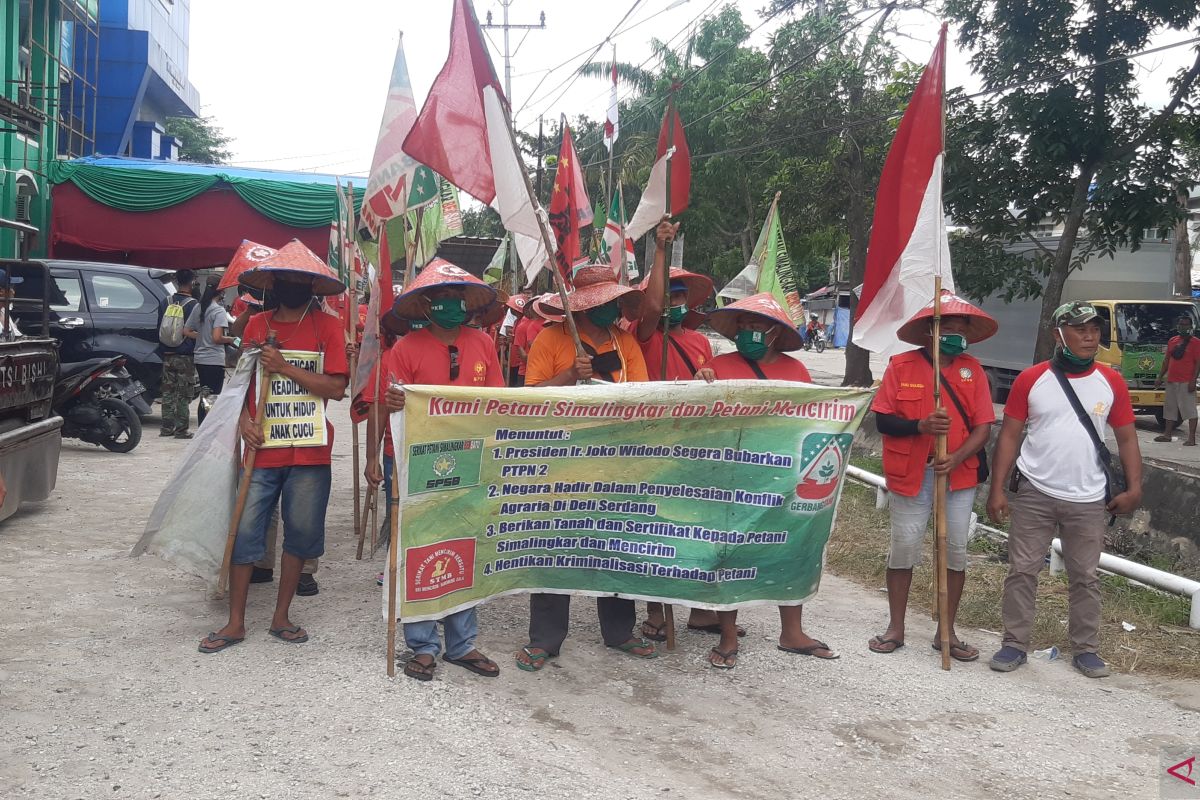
(204,231)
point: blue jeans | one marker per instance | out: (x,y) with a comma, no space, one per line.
(304,492)
(460,629)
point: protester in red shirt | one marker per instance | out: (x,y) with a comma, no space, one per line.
(528,328)
(763,333)
(445,353)
(1181,366)
(906,416)
(298,474)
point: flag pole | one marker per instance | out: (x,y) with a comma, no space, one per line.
(940,484)
(612,145)
(668,609)
(351,313)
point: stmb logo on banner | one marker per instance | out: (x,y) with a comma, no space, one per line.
(714,495)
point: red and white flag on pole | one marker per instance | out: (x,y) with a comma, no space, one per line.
(673,148)
(463,133)
(908,246)
(612,126)
(392,170)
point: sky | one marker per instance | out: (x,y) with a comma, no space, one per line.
(303,90)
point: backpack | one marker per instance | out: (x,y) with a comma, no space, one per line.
(170,329)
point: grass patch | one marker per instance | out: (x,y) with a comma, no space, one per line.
(858,550)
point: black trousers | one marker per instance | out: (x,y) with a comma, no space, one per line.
(549,616)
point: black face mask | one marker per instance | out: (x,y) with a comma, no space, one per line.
(292,295)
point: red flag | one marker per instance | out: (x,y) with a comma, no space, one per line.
(672,143)
(450,134)
(569,206)
(908,244)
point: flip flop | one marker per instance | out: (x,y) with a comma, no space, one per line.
(658,635)
(811,650)
(1163,438)
(475,665)
(972,653)
(418,671)
(636,644)
(536,660)
(278,633)
(226,642)
(877,643)
(725,656)
(714,628)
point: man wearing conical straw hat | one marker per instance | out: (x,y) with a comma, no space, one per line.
(905,414)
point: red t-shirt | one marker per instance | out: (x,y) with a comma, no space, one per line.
(1182,370)
(527,330)
(694,343)
(907,391)
(421,357)
(733,366)
(317,332)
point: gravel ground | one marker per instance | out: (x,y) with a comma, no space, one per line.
(102,692)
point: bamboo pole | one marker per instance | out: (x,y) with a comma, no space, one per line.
(668,609)
(940,485)
(244,487)
(357,458)
(394,546)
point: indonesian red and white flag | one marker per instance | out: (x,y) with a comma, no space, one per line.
(612,126)
(463,133)
(673,149)
(908,246)
(391,168)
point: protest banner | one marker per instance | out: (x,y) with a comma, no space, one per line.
(293,416)
(714,495)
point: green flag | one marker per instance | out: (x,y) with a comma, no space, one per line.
(439,222)
(494,272)
(775,273)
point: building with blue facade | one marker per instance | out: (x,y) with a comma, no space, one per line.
(143,77)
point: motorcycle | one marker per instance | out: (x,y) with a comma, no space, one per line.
(816,340)
(99,402)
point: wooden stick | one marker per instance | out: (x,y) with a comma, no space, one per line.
(939,495)
(244,487)
(668,609)
(393,548)
(357,461)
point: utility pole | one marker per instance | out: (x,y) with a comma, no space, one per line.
(506,26)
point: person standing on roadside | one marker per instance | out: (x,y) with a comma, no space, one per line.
(178,365)
(910,424)
(208,322)
(445,353)
(294,476)
(1062,486)
(764,334)
(1181,368)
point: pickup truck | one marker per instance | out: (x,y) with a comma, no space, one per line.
(30,432)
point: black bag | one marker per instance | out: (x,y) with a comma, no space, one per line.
(982,470)
(762,376)
(679,349)
(606,365)
(1112,487)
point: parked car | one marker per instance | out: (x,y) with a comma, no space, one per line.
(107,310)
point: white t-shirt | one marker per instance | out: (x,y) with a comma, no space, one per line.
(1057,456)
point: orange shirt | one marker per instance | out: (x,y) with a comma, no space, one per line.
(907,392)
(693,343)
(553,351)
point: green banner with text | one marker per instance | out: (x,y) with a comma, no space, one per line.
(713,495)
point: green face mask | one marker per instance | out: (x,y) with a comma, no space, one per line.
(952,344)
(605,315)
(448,312)
(752,344)
(676,315)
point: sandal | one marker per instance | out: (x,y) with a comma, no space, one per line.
(278,633)
(725,657)
(475,665)
(536,660)
(656,634)
(879,644)
(959,651)
(636,644)
(714,628)
(811,650)
(419,670)
(226,642)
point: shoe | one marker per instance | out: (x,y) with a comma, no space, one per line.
(1090,665)
(183,435)
(307,586)
(1007,659)
(165,432)
(260,575)
(379,579)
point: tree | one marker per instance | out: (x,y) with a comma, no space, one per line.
(201,140)
(1070,142)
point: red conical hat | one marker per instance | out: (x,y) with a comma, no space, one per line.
(248,256)
(548,313)
(250,300)
(441,272)
(980,324)
(596,285)
(517,303)
(297,261)
(724,320)
(699,287)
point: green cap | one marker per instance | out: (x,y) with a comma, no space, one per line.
(1077,312)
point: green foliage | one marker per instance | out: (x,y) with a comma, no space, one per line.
(201,140)
(482,221)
